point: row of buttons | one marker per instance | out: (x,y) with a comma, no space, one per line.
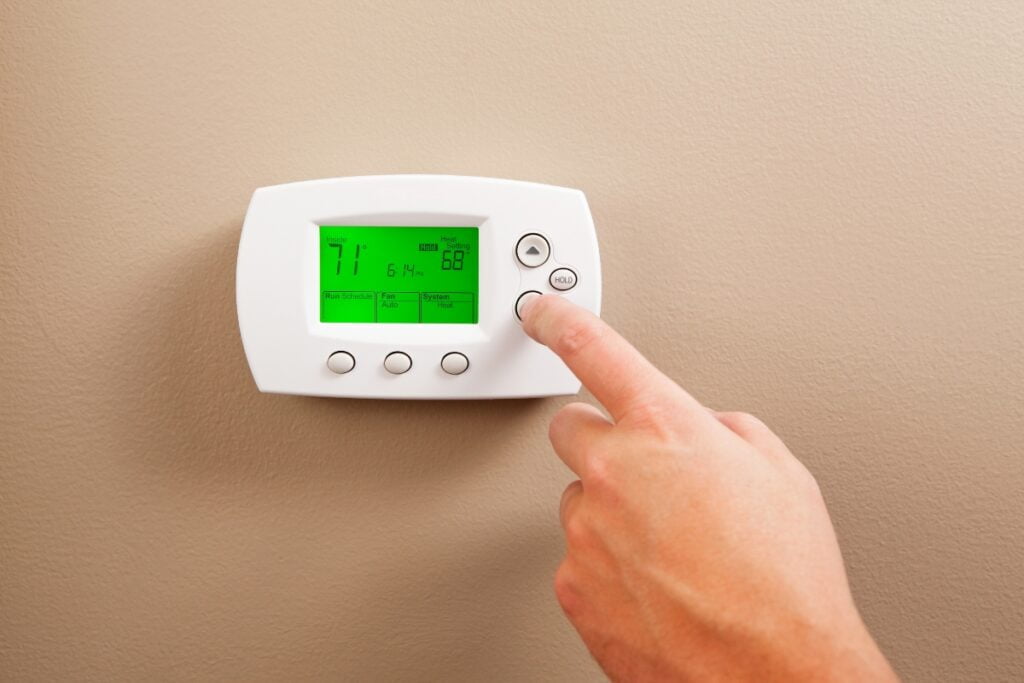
(533,251)
(397,362)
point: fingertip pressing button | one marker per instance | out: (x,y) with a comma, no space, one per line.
(562,279)
(533,250)
(454,363)
(397,362)
(341,362)
(523,298)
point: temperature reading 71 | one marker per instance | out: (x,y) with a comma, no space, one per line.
(355,262)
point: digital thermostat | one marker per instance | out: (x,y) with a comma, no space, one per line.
(409,286)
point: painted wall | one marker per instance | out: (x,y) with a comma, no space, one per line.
(812,214)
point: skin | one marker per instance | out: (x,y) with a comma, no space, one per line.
(697,546)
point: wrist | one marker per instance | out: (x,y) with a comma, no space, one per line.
(840,651)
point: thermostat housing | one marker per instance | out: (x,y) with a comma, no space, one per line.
(408,286)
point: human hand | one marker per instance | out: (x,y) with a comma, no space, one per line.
(698,547)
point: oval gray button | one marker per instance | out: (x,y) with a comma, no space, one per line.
(454,363)
(562,279)
(397,363)
(341,362)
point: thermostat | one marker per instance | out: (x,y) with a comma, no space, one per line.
(409,286)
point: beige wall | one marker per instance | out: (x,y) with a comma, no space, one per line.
(811,214)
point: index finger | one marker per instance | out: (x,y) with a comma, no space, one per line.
(615,372)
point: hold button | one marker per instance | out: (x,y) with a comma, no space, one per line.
(562,279)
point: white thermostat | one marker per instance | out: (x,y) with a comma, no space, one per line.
(408,286)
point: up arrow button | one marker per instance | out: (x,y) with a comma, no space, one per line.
(532,250)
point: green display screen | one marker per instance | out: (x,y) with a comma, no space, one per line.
(399,274)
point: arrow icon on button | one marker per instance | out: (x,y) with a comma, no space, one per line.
(533,251)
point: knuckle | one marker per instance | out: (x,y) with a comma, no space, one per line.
(576,532)
(566,505)
(600,473)
(811,484)
(651,415)
(745,422)
(576,336)
(604,479)
(805,480)
(565,589)
(563,418)
(661,421)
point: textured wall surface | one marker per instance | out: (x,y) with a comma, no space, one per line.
(811,214)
